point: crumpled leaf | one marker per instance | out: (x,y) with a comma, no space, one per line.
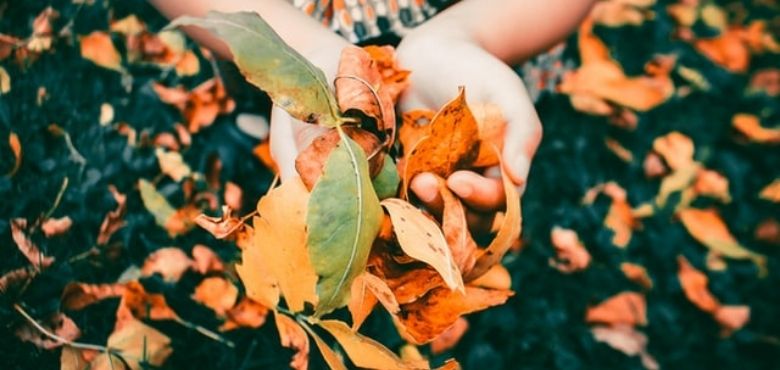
(424,319)
(626,339)
(367,289)
(170,262)
(343,219)
(707,227)
(572,255)
(750,126)
(59,324)
(771,192)
(421,239)
(137,343)
(456,230)
(221,227)
(280,239)
(27,247)
(363,351)
(293,336)
(628,308)
(98,48)
(216,293)
(114,220)
(266,61)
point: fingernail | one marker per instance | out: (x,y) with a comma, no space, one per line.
(427,195)
(461,188)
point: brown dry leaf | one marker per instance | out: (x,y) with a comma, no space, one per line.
(280,239)
(619,150)
(421,239)
(424,319)
(707,227)
(98,48)
(77,296)
(750,126)
(626,339)
(455,228)
(363,351)
(497,277)
(216,293)
(394,79)
(771,192)
(170,262)
(507,235)
(413,284)
(367,289)
(637,273)
(59,324)
(137,343)
(616,13)
(255,272)
(620,217)
(359,85)
(56,226)
(310,162)
(16,148)
(451,144)
(732,318)
(27,247)
(492,127)
(234,196)
(201,106)
(246,314)
(676,149)
(294,337)
(768,231)
(220,227)
(16,278)
(114,219)
(415,127)
(571,254)
(712,184)
(136,302)
(694,285)
(450,337)
(42,35)
(627,308)
(766,81)
(205,260)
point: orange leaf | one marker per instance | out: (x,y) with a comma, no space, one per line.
(451,144)
(220,227)
(294,337)
(627,308)
(492,127)
(27,247)
(16,148)
(637,274)
(571,253)
(98,48)
(455,229)
(423,320)
(450,337)
(114,219)
(620,218)
(496,278)
(771,192)
(171,263)
(732,318)
(255,272)
(415,127)
(201,106)
(363,351)
(712,184)
(359,86)
(263,152)
(694,285)
(366,291)
(246,314)
(310,162)
(56,226)
(750,126)
(76,296)
(727,50)
(619,150)
(138,303)
(205,260)
(676,149)
(216,293)
(394,79)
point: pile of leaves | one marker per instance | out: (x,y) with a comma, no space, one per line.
(134,237)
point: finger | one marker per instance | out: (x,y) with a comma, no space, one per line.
(523,135)
(478,192)
(282,142)
(426,187)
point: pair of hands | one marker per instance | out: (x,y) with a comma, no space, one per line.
(440,63)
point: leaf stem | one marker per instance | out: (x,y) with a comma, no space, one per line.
(58,199)
(205,332)
(56,337)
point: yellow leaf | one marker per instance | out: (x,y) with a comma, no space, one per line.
(255,272)
(136,343)
(421,239)
(292,336)
(363,351)
(172,164)
(333,360)
(496,278)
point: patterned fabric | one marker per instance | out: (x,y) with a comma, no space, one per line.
(360,20)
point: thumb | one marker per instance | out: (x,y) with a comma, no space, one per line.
(521,139)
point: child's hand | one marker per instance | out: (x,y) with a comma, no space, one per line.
(440,62)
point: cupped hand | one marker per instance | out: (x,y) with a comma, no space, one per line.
(441,62)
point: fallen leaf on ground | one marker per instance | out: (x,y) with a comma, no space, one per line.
(138,344)
(221,227)
(172,164)
(98,48)
(750,126)
(216,293)
(27,247)
(56,226)
(637,273)
(77,296)
(571,254)
(628,308)
(114,220)
(246,314)
(59,324)
(200,106)
(616,13)
(204,260)
(771,192)
(137,302)
(170,262)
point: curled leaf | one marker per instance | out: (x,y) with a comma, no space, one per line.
(293,336)
(27,247)
(750,126)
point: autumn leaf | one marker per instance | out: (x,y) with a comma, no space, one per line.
(359,86)
(451,143)
(343,219)
(676,149)
(310,162)
(293,336)
(200,106)
(280,239)
(637,274)
(627,308)
(138,344)
(77,296)
(216,293)
(616,13)
(58,323)
(394,79)
(456,230)
(771,192)
(176,222)
(114,220)
(221,227)
(5,81)
(363,351)
(255,272)
(421,239)
(750,126)
(137,302)
(204,260)
(497,277)
(27,247)
(56,226)
(491,125)
(170,262)
(620,217)
(367,289)
(450,337)
(426,318)
(571,254)
(267,62)
(707,227)
(98,48)
(626,339)
(172,164)
(246,314)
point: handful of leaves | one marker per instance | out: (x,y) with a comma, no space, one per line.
(337,235)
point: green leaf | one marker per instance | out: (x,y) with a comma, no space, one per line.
(155,203)
(343,219)
(266,61)
(386,183)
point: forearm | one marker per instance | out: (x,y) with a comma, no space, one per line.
(512,30)
(300,31)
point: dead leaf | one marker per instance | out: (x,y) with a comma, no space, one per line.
(98,48)
(732,318)
(221,227)
(676,149)
(637,274)
(114,220)
(750,126)
(426,318)
(5,83)
(491,125)
(620,217)
(246,314)
(16,278)
(201,106)
(59,324)
(619,150)
(172,164)
(707,227)
(263,152)
(363,351)
(496,278)
(137,302)
(294,337)
(455,228)
(310,162)
(766,81)
(712,184)
(233,195)
(571,254)
(628,308)
(394,79)
(366,291)
(27,247)
(73,359)
(626,339)
(42,35)
(56,226)
(170,262)
(255,272)
(694,285)
(77,296)
(216,293)
(205,260)
(771,192)
(138,344)
(654,166)
(768,231)
(450,337)
(616,13)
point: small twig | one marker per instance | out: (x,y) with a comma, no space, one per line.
(56,337)
(58,199)
(205,332)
